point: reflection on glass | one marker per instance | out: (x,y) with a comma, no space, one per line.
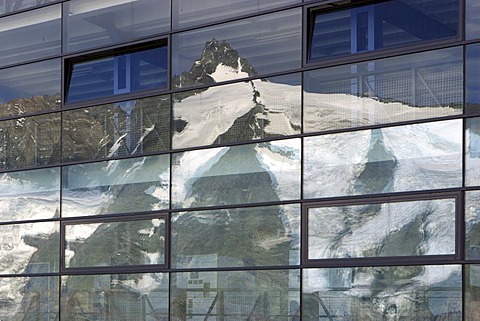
(237,175)
(393,159)
(383,293)
(118,186)
(126,128)
(472,292)
(257,45)
(238,112)
(92,23)
(30,141)
(236,237)
(472,157)
(30,35)
(115,297)
(381,25)
(188,13)
(472,224)
(30,88)
(424,85)
(7,6)
(472,21)
(29,248)
(29,298)
(32,194)
(119,74)
(424,227)
(139,242)
(236,295)
(472,81)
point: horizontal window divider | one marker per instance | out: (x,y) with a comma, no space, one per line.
(374,198)
(155,269)
(38,6)
(236,81)
(28,62)
(381,261)
(233,206)
(381,54)
(385,125)
(115,99)
(108,218)
(42,220)
(31,275)
(38,113)
(131,269)
(147,41)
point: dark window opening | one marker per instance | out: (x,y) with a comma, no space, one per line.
(381,25)
(115,74)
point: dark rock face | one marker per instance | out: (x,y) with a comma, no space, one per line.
(215,52)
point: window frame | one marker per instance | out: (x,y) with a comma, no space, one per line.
(69,63)
(385,260)
(116,269)
(331,6)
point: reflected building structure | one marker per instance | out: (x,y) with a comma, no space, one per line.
(240,160)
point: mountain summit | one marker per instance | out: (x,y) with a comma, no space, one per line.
(218,62)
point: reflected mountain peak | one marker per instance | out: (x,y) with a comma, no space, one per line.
(219,61)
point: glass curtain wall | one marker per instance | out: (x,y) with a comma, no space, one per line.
(239,160)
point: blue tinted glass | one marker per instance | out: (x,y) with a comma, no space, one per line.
(120,74)
(472,79)
(472,21)
(97,23)
(382,25)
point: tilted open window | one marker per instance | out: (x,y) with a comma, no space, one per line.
(385,24)
(116,73)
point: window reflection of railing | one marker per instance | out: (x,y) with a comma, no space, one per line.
(231,304)
(112,305)
(438,303)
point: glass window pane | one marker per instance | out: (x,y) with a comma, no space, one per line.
(123,243)
(407,228)
(237,295)
(7,6)
(132,127)
(472,81)
(93,23)
(30,141)
(237,175)
(29,248)
(115,297)
(383,293)
(30,35)
(249,47)
(27,195)
(119,74)
(30,88)
(238,112)
(472,157)
(393,159)
(472,292)
(236,237)
(472,224)
(382,25)
(472,23)
(188,13)
(117,186)
(424,85)
(29,298)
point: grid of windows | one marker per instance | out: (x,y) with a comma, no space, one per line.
(239,160)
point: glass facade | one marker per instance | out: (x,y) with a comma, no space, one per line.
(239,160)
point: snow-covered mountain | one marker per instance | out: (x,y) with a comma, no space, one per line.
(391,159)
